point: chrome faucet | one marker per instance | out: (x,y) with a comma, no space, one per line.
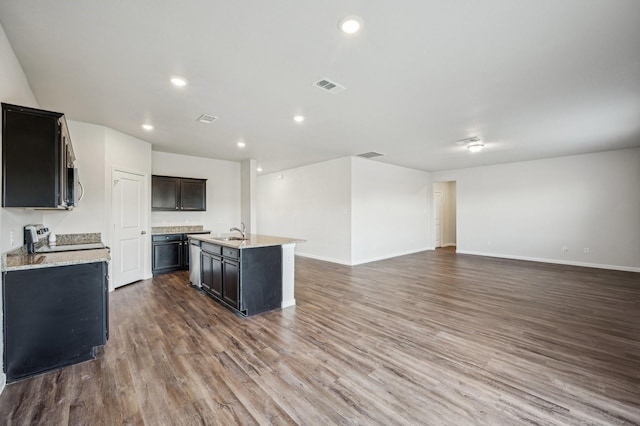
(239,230)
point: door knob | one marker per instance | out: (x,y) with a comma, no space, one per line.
(143,232)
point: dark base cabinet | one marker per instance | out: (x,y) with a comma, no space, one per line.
(167,253)
(53,317)
(248,280)
(170,252)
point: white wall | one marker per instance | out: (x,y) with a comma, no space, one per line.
(389,210)
(129,154)
(312,203)
(248,195)
(14,89)
(448,219)
(350,210)
(531,210)
(90,215)
(223,191)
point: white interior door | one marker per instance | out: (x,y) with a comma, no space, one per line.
(129,234)
(437,205)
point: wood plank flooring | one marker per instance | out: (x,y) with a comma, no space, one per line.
(434,338)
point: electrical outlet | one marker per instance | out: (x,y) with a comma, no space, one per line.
(12,237)
(565,249)
(586,250)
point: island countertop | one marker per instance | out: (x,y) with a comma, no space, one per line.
(14,262)
(251,241)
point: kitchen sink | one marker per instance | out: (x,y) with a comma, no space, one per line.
(229,238)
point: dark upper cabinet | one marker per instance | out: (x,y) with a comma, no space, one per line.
(36,153)
(193,194)
(165,193)
(170,193)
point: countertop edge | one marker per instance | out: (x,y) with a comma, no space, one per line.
(254,241)
(51,260)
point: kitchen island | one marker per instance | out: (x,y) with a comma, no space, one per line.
(250,275)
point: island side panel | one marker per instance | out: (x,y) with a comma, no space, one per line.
(288,275)
(261,279)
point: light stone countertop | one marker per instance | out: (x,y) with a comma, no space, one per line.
(15,262)
(252,241)
(186,229)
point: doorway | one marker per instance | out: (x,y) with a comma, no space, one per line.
(129,227)
(444,214)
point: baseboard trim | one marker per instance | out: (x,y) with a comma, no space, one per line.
(363,261)
(3,382)
(554,261)
(287,303)
(390,256)
(325,259)
(449,245)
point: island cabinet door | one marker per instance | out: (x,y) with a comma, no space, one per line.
(231,293)
(211,274)
(216,276)
(206,273)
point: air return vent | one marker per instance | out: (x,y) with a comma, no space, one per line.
(329,86)
(205,118)
(472,139)
(371,154)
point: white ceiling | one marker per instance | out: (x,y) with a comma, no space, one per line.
(534,79)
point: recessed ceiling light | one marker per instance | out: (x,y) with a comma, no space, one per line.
(147,127)
(350,24)
(178,81)
(241,144)
(259,169)
(475,147)
(298,118)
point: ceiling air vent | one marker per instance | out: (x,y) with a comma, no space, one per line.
(329,86)
(371,154)
(472,139)
(205,118)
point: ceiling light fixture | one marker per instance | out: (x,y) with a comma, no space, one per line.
(178,81)
(298,118)
(475,147)
(350,24)
(147,127)
(259,169)
(241,144)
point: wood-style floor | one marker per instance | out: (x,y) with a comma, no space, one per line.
(432,338)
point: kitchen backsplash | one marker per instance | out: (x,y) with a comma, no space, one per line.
(67,239)
(176,229)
